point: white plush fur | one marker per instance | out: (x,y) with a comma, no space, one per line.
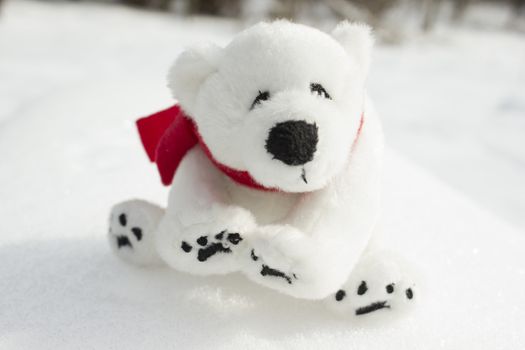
(314,232)
(284,59)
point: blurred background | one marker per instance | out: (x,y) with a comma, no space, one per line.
(448,77)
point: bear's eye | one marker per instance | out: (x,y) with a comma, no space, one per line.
(319,90)
(262,96)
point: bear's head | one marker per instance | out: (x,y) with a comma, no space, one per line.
(282,101)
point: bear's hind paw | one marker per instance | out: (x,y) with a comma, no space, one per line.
(132,225)
(378,287)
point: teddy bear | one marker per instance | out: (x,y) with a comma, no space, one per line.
(273,153)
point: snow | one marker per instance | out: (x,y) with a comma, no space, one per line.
(455,103)
(73,77)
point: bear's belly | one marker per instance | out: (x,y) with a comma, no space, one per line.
(268,207)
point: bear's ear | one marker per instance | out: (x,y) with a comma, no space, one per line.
(189,71)
(357,40)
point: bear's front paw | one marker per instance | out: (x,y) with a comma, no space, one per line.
(378,287)
(131,229)
(211,244)
(267,271)
(275,253)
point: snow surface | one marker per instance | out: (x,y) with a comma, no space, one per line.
(73,77)
(455,103)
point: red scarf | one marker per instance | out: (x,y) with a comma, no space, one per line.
(169,134)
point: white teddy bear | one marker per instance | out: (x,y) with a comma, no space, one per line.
(282,181)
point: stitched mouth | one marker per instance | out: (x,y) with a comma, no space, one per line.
(303,176)
(372,307)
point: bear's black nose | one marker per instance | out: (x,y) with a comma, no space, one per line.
(293,142)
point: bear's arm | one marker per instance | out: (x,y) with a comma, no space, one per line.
(202,231)
(314,250)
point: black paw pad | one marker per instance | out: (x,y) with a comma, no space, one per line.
(371,308)
(137,231)
(123,219)
(123,241)
(340,295)
(254,257)
(268,271)
(409,293)
(186,247)
(234,238)
(202,241)
(211,250)
(362,288)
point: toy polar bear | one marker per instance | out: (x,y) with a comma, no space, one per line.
(275,163)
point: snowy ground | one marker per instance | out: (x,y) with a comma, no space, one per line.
(72,80)
(455,104)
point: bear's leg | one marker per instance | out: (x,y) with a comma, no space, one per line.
(283,258)
(379,286)
(132,227)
